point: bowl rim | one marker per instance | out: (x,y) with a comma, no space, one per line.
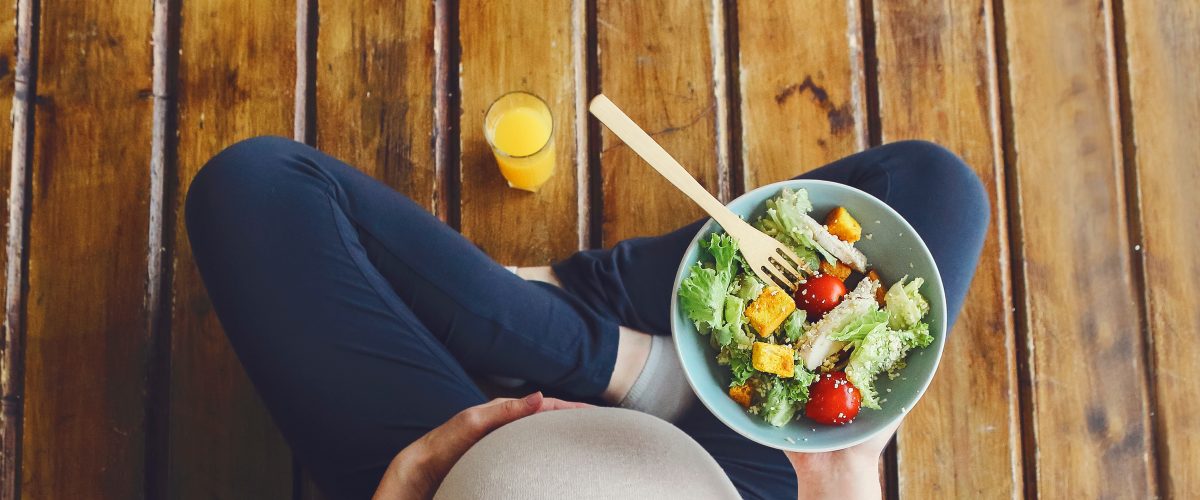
(939,342)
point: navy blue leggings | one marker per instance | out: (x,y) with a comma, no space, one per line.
(358,315)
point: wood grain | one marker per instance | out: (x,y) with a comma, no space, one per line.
(84,420)
(801,87)
(937,81)
(1079,313)
(11,350)
(374,79)
(1163,43)
(656,63)
(237,79)
(504,51)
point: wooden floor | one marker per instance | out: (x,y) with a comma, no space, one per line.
(1074,371)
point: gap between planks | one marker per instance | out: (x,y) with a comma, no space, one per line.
(447,112)
(160,252)
(12,371)
(1133,206)
(1022,339)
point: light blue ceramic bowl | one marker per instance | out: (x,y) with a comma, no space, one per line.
(894,250)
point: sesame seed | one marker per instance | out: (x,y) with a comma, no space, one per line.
(1137,248)
(790,440)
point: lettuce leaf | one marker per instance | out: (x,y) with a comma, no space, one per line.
(739,364)
(723,248)
(747,287)
(793,328)
(905,304)
(702,294)
(785,396)
(921,337)
(857,329)
(882,349)
(735,320)
(702,297)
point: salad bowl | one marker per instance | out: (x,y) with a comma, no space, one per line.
(894,250)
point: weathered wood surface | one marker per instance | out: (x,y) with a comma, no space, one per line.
(656,62)
(801,88)
(86,339)
(11,347)
(937,81)
(1068,112)
(503,51)
(1163,45)
(1087,421)
(374,104)
(236,80)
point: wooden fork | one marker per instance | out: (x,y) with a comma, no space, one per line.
(771,260)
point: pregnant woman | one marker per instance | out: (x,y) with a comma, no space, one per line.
(361,318)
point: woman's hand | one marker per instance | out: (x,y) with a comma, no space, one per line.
(849,474)
(418,470)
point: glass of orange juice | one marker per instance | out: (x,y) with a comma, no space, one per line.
(519,128)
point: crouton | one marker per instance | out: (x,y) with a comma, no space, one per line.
(769,310)
(772,358)
(880,292)
(840,269)
(842,225)
(741,394)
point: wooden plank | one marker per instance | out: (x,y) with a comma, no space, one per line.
(237,80)
(1078,313)
(656,62)
(84,421)
(937,81)
(374,79)
(1165,119)
(13,62)
(502,52)
(801,87)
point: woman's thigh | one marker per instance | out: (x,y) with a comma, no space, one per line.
(346,369)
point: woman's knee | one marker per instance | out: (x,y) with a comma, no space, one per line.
(939,172)
(240,174)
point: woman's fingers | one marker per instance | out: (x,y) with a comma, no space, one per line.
(549,404)
(500,411)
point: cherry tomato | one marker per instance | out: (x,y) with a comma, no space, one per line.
(820,293)
(833,400)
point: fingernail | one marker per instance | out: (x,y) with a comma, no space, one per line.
(533,399)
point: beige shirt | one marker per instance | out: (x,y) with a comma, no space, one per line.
(585,454)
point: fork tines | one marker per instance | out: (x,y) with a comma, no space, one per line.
(785,274)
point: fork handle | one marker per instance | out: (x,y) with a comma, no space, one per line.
(645,146)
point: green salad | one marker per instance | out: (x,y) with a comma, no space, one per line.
(814,351)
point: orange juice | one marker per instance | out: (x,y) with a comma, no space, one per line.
(519,128)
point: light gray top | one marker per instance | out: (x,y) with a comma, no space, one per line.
(587,453)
